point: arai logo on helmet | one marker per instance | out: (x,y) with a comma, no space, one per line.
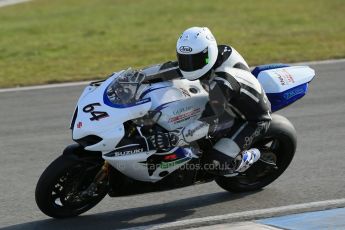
(185,49)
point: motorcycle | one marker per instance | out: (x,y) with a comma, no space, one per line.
(112,154)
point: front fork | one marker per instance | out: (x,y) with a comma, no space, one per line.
(103,172)
(99,180)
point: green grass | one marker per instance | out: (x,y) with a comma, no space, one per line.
(46,41)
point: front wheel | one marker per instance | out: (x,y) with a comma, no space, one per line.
(67,187)
(277,150)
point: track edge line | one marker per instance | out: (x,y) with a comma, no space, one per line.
(247,215)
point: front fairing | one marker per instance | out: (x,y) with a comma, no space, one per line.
(97,116)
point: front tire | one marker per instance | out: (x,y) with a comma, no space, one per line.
(277,147)
(59,191)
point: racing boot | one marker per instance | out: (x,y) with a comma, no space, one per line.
(247,158)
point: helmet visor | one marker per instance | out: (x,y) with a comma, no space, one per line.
(192,62)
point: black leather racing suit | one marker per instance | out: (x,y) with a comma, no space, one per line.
(238,107)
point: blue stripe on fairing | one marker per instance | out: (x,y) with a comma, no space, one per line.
(180,152)
(163,106)
(330,219)
(149,90)
(261,68)
(121,106)
(283,99)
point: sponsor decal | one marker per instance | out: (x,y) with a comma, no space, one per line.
(281,80)
(184,116)
(80,124)
(185,49)
(124,153)
(259,130)
(181,110)
(292,93)
(285,78)
(191,132)
(226,49)
(185,92)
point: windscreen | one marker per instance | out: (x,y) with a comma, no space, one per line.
(123,89)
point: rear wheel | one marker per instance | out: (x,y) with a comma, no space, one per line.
(67,187)
(277,150)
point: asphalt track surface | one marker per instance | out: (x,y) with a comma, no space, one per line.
(34,131)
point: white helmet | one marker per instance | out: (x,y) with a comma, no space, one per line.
(197,52)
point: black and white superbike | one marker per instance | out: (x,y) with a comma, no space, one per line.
(112,154)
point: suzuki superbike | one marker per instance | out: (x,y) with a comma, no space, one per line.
(112,154)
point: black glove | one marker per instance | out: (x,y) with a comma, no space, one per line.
(164,140)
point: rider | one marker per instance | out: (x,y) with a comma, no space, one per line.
(235,97)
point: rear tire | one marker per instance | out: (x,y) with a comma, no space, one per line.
(282,137)
(60,185)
